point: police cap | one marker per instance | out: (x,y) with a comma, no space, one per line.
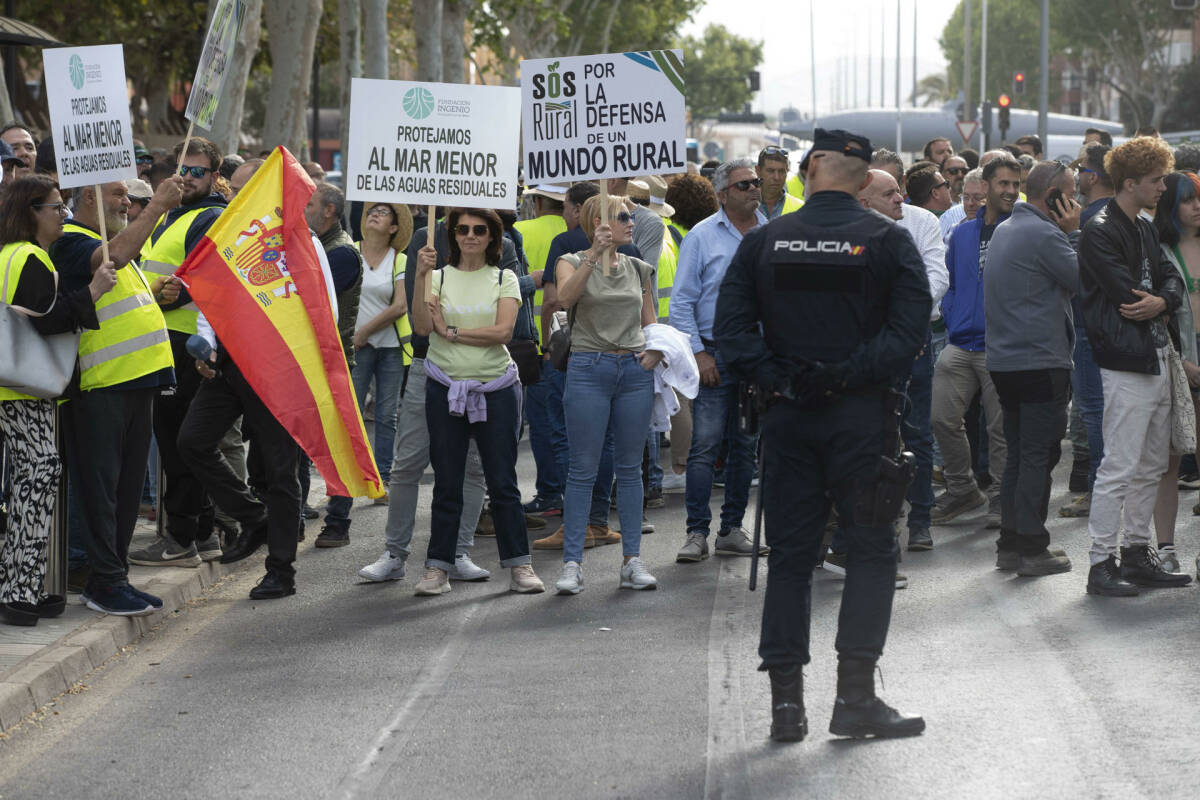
(839,141)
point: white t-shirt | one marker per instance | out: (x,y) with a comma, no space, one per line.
(927,233)
(378,289)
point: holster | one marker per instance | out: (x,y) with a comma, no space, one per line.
(879,497)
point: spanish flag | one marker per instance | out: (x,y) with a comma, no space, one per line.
(257,279)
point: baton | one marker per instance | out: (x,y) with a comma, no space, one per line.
(758,517)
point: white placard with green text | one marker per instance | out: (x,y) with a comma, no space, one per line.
(446,144)
(222,38)
(604,116)
(89,114)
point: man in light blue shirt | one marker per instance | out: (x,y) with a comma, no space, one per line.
(704,256)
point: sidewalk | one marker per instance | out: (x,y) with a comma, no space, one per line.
(37,664)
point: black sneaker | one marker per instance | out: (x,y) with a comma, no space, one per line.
(331,536)
(543,507)
(308,512)
(1140,566)
(1189,480)
(119,601)
(1104,578)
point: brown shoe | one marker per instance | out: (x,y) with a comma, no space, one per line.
(552,542)
(486,525)
(381,501)
(534,522)
(600,534)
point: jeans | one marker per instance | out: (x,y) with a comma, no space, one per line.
(1137,427)
(606,393)
(217,405)
(654,470)
(548,432)
(496,439)
(810,457)
(959,374)
(918,437)
(714,419)
(386,366)
(1035,419)
(409,460)
(1089,396)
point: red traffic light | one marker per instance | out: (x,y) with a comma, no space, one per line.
(1018,83)
(1004,101)
(1019,77)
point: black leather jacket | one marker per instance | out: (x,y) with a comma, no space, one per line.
(1111,252)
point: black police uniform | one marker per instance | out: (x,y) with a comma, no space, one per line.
(827,306)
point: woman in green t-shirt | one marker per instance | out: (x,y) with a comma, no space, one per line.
(610,383)
(472,391)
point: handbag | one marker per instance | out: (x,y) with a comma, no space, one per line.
(524,353)
(560,340)
(1183,413)
(31,363)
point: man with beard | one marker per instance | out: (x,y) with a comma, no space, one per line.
(189,513)
(123,365)
(955,170)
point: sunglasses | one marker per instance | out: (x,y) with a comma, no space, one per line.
(624,217)
(941,185)
(1085,169)
(744,186)
(956,171)
(196,172)
(478,230)
(772,150)
(55,206)
(145,159)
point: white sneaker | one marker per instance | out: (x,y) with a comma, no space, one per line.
(524,580)
(571,581)
(435,582)
(467,570)
(634,575)
(674,481)
(1169,561)
(387,568)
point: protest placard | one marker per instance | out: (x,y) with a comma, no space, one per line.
(433,143)
(218,49)
(89,114)
(603,116)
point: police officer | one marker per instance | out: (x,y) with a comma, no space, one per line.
(842,299)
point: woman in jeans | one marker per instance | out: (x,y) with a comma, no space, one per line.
(1177,219)
(609,379)
(31,217)
(472,390)
(382,335)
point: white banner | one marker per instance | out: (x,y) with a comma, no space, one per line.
(89,114)
(443,144)
(214,62)
(604,116)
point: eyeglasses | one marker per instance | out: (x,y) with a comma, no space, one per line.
(744,186)
(974,198)
(56,206)
(772,150)
(955,170)
(380,211)
(478,230)
(196,172)
(145,159)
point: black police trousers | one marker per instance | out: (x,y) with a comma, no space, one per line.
(811,458)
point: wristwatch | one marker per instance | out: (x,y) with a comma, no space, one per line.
(453,331)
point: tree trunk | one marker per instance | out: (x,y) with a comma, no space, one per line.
(375,39)
(349,64)
(6,106)
(293,35)
(157,95)
(227,125)
(454,29)
(427,30)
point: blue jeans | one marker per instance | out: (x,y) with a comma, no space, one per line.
(605,391)
(654,471)
(714,418)
(386,366)
(548,431)
(918,437)
(1089,394)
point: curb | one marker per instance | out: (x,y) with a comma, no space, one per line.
(57,667)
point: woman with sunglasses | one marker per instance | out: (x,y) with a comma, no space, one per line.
(473,391)
(610,382)
(1177,219)
(31,217)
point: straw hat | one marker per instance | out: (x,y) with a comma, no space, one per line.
(404,223)
(654,189)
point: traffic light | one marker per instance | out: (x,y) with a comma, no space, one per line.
(1004,101)
(986,122)
(753,80)
(1018,83)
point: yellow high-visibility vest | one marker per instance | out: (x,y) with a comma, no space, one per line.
(795,187)
(132,340)
(165,255)
(12,259)
(403,325)
(668,260)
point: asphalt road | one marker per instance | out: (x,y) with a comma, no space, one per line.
(1030,688)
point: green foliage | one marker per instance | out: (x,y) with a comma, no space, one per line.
(715,68)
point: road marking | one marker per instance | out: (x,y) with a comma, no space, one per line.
(726,771)
(385,750)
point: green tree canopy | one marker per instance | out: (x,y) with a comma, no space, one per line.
(715,67)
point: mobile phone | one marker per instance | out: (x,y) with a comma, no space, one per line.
(1053,198)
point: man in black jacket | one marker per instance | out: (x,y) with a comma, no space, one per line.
(1129,294)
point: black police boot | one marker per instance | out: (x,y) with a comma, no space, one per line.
(246,544)
(859,713)
(788,722)
(1141,567)
(1104,578)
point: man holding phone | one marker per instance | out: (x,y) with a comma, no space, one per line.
(1032,272)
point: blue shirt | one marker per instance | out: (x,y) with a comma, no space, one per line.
(704,255)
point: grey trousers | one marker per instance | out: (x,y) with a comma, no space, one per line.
(957,376)
(410,457)
(233,447)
